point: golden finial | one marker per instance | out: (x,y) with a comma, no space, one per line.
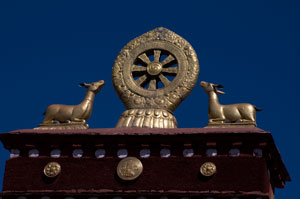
(152,75)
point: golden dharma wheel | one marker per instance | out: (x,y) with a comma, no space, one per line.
(155,71)
(129,168)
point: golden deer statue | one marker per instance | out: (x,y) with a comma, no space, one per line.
(76,113)
(244,113)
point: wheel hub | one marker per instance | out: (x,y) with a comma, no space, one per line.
(154,68)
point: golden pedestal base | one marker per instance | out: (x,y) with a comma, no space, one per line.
(147,118)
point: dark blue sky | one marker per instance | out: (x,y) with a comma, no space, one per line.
(250,47)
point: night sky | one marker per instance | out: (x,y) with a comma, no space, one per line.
(251,47)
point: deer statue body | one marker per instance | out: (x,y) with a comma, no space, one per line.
(221,113)
(76,113)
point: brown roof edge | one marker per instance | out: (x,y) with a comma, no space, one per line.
(136,131)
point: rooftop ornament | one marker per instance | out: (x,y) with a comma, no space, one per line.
(243,114)
(58,116)
(152,75)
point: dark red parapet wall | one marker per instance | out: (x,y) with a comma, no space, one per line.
(174,174)
(244,175)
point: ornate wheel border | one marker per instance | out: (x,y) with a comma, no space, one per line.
(169,97)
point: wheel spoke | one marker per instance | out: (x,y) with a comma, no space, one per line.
(168,60)
(164,80)
(152,84)
(156,55)
(144,58)
(170,70)
(138,68)
(141,80)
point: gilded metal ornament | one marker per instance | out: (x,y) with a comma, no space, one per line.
(58,116)
(52,169)
(156,118)
(238,115)
(154,73)
(208,169)
(129,168)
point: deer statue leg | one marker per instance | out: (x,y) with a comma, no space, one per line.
(246,120)
(47,121)
(218,120)
(78,120)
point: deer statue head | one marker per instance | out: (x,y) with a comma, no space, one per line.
(94,87)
